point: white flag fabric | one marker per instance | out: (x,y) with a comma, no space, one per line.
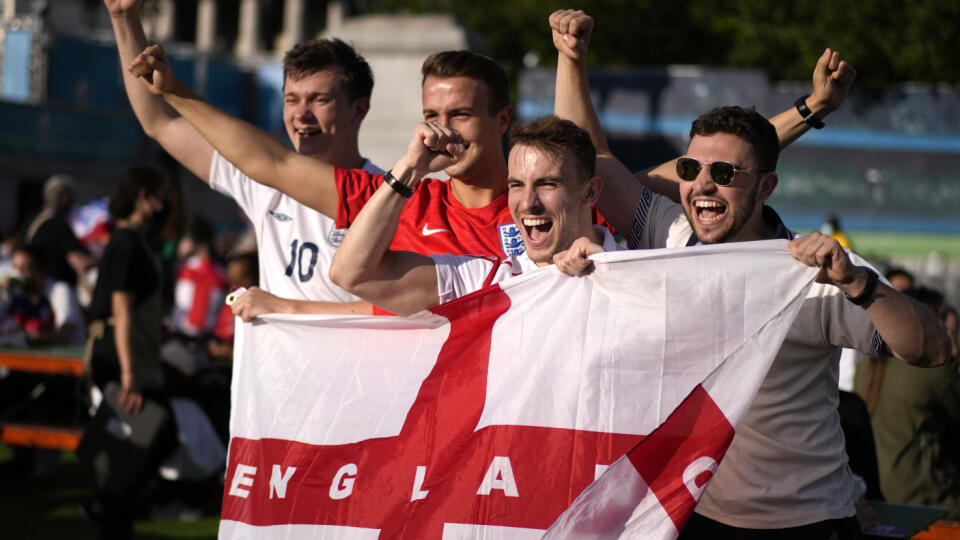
(489,417)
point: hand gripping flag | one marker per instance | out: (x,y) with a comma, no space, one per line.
(491,416)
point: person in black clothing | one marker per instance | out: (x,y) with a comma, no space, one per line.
(49,233)
(126,312)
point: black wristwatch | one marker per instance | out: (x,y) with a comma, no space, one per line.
(404,190)
(809,118)
(868,289)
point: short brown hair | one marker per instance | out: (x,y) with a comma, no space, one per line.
(554,135)
(469,64)
(747,124)
(315,55)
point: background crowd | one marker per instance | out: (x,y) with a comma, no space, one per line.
(57,279)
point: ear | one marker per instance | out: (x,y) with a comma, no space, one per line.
(768,183)
(504,116)
(361,106)
(591,191)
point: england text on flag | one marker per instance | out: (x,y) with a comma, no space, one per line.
(489,417)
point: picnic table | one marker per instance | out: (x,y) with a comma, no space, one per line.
(44,361)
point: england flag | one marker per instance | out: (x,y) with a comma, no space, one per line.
(546,406)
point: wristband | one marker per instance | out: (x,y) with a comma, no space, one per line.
(809,118)
(404,190)
(868,289)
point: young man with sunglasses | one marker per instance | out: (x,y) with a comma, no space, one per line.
(785,474)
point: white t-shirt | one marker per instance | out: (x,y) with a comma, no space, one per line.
(460,275)
(66,309)
(295,243)
(787,465)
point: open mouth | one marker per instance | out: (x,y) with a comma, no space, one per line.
(709,212)
(537,229)
(306,133)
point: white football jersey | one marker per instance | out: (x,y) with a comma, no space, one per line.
(295,243)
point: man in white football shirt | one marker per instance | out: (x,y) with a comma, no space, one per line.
(326,94)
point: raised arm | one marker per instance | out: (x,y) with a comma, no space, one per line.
(572,30)
(399,281)
(832,79)
(159,121)
(254,151)
(911,330)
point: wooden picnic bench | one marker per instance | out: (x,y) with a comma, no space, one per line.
(67,361)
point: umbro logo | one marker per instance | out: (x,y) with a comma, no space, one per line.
(280,216)
(428,231)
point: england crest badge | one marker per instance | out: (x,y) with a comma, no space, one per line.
(336,236)
(510,240)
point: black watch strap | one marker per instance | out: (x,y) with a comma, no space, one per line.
(398,186)
(868,289)
(809,118)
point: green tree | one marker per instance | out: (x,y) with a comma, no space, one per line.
(886,41)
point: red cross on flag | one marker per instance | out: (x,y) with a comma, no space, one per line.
(490,416)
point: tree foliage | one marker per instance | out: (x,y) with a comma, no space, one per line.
(887,41)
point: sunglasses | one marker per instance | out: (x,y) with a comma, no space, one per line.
(722,172)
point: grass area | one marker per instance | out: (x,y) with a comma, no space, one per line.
(881,245)
(908,246)
(45,508)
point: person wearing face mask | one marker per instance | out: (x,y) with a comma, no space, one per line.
(125,333)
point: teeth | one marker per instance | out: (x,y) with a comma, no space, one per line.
(703,205)
(307,131)
(708,204)
(533,222)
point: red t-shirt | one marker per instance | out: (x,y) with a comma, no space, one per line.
(198,295)
(433,221)
(224,329)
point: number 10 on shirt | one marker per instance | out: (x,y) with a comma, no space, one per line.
(304,270)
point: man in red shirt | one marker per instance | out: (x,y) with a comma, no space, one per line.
(468,93)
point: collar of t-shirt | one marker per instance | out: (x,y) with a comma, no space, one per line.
(769,215)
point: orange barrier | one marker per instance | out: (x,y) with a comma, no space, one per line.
(941,530)
(54,361)
(37,436)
